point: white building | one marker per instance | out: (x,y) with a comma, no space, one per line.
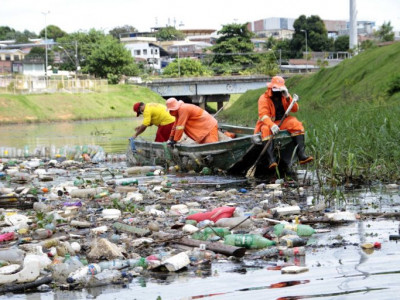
(280,28)
(144,49)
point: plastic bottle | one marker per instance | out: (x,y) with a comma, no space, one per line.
(12,255)
(26,151)
(115,264)
(300,229)
(131,229)
(129,182)
(209,232)
(81,274)
(141,262)
(132,144)
(201,253)
(41,234)
(104,278)
(250,241)
(270,252)
(231,222)
(296,251)
(291,241)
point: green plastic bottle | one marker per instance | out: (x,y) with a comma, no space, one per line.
(130,182)
(300,229)
(208,232)
(249,241)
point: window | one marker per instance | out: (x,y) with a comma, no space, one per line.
(137,52)
(155,51)
(8,57)
(151,51)
(144,51)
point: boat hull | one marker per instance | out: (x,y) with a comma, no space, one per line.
(234,156)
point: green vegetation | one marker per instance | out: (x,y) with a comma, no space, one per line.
(115,102)
(350,113)
(186,67)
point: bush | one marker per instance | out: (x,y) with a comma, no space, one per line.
(394,85)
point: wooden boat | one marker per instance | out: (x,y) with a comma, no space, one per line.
(234,156)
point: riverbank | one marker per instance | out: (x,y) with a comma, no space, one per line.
(112,102)
(350,114)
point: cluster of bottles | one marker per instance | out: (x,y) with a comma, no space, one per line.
(79,153)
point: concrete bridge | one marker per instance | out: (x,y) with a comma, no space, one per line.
(200,90)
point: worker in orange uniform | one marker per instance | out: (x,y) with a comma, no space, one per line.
(198,124)
(272,106)
(154,114)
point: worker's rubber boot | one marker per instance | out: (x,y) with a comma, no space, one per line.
(303,158)
(271,157)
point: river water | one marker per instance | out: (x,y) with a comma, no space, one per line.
(338,267)
(112,135)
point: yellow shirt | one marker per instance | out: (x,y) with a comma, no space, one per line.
(156,114)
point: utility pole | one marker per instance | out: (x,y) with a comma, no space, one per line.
(305,31)
(45,39)
(76,59)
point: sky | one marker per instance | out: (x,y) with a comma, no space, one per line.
(83,15)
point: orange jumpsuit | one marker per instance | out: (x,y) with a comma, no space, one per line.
(198,124)
(266,117)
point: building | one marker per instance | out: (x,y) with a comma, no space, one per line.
(11,60)
(184,49)
(337,28)
(144,49)
(279,28)
(200,35)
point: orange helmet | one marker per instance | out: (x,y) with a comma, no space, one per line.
(277,82)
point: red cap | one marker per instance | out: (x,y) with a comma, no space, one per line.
(136,108)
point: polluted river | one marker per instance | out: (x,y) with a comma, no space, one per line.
(91,226)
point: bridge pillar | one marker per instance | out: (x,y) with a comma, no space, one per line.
(202,100)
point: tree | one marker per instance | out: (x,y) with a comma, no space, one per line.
(169,33)
(117,31)
(233,50)
(317,35)
(367,44)
(282,50)
(186,67)
(109,59)
(385,32)
(53,32)
(39,53)
(6,33)
(342,43)
(85,42)
(267,64)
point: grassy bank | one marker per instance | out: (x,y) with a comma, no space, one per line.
(351,121)
(114,102)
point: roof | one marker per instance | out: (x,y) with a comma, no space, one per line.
(10,51)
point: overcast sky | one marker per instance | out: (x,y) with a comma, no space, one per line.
(75,15)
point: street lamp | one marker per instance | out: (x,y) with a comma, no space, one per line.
(305,31)
(45,38)
(179,64)
(75,62)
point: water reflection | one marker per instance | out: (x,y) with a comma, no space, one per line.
(112,135)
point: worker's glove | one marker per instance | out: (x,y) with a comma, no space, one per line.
(171,143)
(285,92)
(275,129)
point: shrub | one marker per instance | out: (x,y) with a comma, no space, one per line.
(394,85)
